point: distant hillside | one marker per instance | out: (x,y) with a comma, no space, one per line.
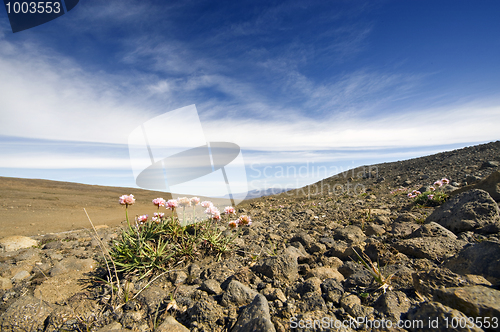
(461,166)
(259,193)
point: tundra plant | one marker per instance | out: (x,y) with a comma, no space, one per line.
(159,243)
(432,197)
(376,272)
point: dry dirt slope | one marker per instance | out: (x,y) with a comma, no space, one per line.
(32,206)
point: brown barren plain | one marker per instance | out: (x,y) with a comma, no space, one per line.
(35,207)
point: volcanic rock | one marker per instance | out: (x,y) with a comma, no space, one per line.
(471,210)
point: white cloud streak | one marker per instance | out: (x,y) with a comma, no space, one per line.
(62,161)
(38,100)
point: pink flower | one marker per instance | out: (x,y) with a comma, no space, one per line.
(195,201)
(184,202)
(171,204)
(155,219)
(206,204)
(414,194)
(395,191)
(430,197)
(142,218)
(229,210)
(213,212)
(127,200)
(245,220)
(445,181)
(233,224)
(432,188)
(159,202)
(159,215)
(438,183)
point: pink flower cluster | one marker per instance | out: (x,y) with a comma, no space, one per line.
(213,212)
(414,194)
(441,182)
(184,202)
(206,204)
(243,220)
(143,218)
(127,200)
(229,210)
(395,191)
(159,202)
(172,204)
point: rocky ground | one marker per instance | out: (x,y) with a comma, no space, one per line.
(295,268)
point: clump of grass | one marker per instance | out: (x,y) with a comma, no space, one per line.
(120,294)
(367,218)
(431,198)
(376,272)
(398,191)
(161,243)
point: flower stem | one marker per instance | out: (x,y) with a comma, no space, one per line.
(126,216)
(184,215)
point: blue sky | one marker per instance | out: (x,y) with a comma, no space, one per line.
(318,83)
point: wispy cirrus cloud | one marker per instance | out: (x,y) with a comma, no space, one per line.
(39,101)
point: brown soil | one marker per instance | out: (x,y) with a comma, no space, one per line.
(35,207)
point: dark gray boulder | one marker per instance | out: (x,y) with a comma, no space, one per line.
(432,230)
(474,301)
(491,185)
(25,314)
(350,234)
(255,317)
(434,248)
(237,293)
(427,281)
(393,304)
(283,267)
(473,210)
(479,258)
